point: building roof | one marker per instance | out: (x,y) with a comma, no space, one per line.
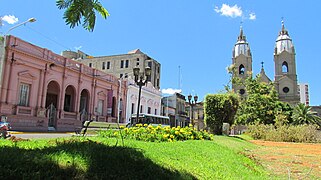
(283,42)
(241,46)
(264,77)
(135,51)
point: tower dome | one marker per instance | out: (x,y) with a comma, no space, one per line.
(283,42)
(241,46)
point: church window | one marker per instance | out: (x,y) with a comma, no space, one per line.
(241,69)
(286,89)
(285,68)
(242,91)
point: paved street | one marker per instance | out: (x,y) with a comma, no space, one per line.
(38,135)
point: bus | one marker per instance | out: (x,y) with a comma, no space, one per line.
(151,119)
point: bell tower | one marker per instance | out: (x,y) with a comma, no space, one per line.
(285,68)
(242,61)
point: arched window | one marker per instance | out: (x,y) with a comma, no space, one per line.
(241,69)
(285,67)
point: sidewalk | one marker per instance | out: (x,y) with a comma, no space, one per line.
(40,132)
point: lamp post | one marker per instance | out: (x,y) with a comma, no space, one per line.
(31,20)
(119,97)
(192,104)
(141,79)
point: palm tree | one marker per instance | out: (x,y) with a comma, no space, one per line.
(303,114)
(81,12)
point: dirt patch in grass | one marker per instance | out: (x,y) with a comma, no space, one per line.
(294,160)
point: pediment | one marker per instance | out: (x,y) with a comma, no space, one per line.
(101,93)
(26,74)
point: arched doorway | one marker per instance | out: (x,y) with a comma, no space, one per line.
(84,104)
(69,102)
(52,98)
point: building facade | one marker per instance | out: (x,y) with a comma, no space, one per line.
(120,65)
(198,114)
(150,102)
(304,93)
(285,79)
(174,107)
(43,91)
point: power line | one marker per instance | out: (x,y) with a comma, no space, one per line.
(48,38)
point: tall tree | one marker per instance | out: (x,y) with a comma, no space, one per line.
(219,109)
(82,12)
(303,114)
(261,104)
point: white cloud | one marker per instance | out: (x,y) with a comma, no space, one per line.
(78,48)
(171,91)
(10,19)
(252,16)
(230,11)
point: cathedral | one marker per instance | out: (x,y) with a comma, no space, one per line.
(285,78)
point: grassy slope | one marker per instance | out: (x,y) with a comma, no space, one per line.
(137,160)
(205,159)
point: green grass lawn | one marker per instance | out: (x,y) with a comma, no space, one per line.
(102,158)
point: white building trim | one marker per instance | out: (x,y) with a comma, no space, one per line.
(150,97)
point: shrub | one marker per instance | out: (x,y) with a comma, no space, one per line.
(219,109)
(285,133)
(303,114)
(158,133)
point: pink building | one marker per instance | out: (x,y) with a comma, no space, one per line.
(43,91)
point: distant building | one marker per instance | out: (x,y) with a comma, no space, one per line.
(150,102)
(174,107)
(303,90)
(120,65)
(198,114)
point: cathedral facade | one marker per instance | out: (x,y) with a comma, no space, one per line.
(285,77)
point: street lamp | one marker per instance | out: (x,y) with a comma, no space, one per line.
(192,104)
(31,20)
(140,80)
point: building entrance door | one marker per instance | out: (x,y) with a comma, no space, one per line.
(52,116)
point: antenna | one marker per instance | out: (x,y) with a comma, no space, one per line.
(179,78)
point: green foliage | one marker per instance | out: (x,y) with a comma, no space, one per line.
(261,104)
(219,109)
(82,12)
(303,114)
(285,133)
(158,133)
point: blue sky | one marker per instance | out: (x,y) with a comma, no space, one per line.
(197,36)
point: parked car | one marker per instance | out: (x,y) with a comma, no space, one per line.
(4,127)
